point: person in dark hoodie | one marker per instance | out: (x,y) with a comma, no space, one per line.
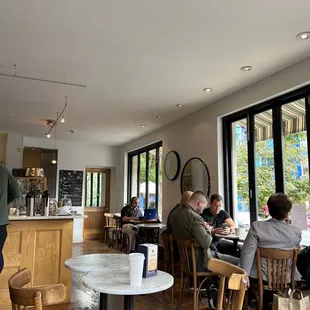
(9,191)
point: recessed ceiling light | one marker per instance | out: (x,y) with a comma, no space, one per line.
(207,90)
(158,116)
(303,35)
(143,126)
(180,105)
(246,68)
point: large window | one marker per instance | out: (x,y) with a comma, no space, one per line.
(266,151)
(97,188)
(145,176)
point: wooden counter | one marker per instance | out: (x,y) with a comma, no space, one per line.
(42,245)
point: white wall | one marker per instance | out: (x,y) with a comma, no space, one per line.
(14,151)
(199,134)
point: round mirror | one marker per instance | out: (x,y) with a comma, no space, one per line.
(195,176)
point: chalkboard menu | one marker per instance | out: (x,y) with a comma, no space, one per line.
(71,184)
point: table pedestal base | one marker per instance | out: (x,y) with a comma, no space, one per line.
(128,302)
(83,298)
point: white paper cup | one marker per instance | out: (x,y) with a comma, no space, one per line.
(136,261)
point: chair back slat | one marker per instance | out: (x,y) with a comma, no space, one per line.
(236,284)
(279,264)
(187,255)
(168,247)
(33,298)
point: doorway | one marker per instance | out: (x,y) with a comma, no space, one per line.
(97,201)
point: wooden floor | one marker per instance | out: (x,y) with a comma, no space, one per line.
(158,301)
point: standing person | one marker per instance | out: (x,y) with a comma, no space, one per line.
(129,213)
(9,191)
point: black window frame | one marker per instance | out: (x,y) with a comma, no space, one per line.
(275,104)
(155,146)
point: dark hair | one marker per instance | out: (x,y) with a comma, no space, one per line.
(216,197)
(132,199)
(279,205)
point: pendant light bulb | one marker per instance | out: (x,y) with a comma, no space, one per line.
(48,135)
(63,119)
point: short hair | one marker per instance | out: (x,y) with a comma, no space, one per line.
(186,197)
(199,195)
(216,197)
(279,205)
(133,199)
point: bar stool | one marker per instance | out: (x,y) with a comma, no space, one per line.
(109,224)
(117,232)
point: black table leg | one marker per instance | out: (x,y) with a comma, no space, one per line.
(128,302)
(103,301)
(236,246)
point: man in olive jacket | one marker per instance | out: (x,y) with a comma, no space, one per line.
(186,223)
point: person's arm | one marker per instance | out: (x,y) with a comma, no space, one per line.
(249,250)
(125,216)
(200,233)
(231,223)
(13,188)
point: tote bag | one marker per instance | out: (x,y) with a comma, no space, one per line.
(291,300)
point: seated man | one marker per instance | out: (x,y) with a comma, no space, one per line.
(129,213)
(274,233)
(187,223)
(185,198)
(215,217)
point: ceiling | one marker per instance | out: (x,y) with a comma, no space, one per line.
(138,59)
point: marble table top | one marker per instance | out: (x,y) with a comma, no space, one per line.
(155,225)
(116,281)
(87,263)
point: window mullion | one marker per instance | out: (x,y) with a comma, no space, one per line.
(251,167)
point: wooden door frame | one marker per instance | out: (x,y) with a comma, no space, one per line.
(97,232)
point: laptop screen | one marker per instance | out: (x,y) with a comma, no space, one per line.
(150,214)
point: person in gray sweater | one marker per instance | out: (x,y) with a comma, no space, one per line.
(9,191)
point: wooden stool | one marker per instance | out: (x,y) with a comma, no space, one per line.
(36,297)
(109,224)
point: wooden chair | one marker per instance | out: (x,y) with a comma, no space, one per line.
(169,258)
(35,297)
(279,264)
(109,224)
(236,284)
(188,269)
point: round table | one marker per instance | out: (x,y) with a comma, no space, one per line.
(115,281)
(149,232)
(83,298)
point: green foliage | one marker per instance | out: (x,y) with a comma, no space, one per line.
(152,166)
(298,189)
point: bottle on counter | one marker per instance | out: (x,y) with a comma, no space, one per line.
(30,202)
(45,204)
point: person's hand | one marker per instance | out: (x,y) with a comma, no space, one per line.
(217,231)
(225,231)
(299,249)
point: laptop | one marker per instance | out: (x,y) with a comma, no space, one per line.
(150,214)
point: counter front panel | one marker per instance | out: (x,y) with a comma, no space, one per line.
(42,246)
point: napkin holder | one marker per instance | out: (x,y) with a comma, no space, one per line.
(150,252)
